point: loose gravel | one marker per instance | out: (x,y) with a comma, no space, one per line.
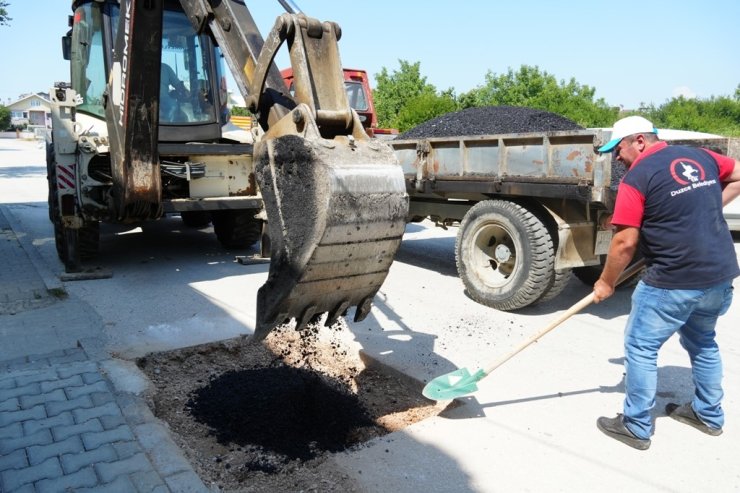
(490,120)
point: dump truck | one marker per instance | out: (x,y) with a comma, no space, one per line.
(138,133)
(529,205)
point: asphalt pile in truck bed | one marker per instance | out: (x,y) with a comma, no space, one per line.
(490,120)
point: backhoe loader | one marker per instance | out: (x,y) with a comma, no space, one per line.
(138,133)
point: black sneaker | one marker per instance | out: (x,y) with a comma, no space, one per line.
(614,427)
(685,414)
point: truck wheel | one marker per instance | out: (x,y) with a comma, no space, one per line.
(237,228)
(196,219)
(560,280)
(504,255)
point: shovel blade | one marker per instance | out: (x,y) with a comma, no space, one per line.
(453,385)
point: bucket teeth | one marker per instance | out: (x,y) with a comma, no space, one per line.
(336,215)
(363,309)
(339,310)
(306,317)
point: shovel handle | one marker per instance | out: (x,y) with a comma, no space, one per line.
(583,303)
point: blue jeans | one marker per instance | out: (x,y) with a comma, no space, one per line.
(655,316)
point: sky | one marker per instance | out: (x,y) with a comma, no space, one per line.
(632,52)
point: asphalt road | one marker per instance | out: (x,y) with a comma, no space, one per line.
(530,427)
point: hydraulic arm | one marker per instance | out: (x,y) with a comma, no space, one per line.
(132,110)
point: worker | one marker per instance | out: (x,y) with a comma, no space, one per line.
(171,90)
(670,203)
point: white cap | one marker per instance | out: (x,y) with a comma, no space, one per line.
(626,127)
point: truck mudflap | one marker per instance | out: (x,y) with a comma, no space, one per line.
(336,212)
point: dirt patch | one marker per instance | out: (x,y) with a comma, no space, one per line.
(267,417)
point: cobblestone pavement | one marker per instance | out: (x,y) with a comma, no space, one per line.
(64,423)
(63,428)
(21,287)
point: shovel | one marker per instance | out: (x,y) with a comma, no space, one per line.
(462,382)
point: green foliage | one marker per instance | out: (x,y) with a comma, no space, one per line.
(4,14)
(404,99)
(422,108)
(533,88)
(240,111)
(716,115)
(4,117)
(393,91)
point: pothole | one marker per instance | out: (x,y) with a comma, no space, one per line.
(267,417)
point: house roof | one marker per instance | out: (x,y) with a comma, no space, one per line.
(24,102)
(40,95)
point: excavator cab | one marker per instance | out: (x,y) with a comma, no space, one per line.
(192,95)
(145,112)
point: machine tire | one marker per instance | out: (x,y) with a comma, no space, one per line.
(49,171)
(524,268)
(89,240)
(196,219)
(237,228)
(76,245)
(73,245)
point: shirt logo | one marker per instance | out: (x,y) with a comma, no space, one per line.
(685,171)
(689,175)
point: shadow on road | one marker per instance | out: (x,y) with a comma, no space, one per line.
(675,384)
(437,254)
(22,171)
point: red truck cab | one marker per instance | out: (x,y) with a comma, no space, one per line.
(360,96)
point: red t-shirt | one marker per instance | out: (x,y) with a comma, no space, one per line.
(674,195)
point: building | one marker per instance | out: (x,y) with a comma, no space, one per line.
(32,110)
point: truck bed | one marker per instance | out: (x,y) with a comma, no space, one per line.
(557,164)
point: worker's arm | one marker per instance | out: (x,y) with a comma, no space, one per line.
(621,251)
(169,77)
(732,189)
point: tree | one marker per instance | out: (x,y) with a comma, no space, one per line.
(717,115)
(240,111)
(533,88)
(4,14)
(4,117)
(393,91)
(422,108)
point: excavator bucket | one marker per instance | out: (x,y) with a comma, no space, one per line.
(336,213)
(335,199)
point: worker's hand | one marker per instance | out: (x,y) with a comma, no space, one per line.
(602,291)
